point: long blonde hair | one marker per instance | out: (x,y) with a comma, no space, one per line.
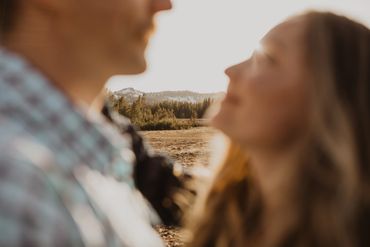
(330,205)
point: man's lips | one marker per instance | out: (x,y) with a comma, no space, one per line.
(231,98)
(146,31)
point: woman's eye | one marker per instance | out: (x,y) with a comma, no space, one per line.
(264,58)
(259,58)
(270,58)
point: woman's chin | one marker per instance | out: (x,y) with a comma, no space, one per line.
(219,121)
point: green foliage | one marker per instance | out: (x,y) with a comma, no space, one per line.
(166,115)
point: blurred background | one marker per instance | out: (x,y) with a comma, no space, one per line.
(198,39)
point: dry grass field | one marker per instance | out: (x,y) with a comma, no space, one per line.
(188,147)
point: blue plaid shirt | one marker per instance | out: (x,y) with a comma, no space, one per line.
(44,141)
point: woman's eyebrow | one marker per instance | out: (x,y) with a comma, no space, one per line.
(274,42)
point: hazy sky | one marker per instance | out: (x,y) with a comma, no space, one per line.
(198,39)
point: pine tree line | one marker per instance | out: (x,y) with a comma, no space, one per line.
(161,115)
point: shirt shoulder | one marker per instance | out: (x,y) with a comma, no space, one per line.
(31,213)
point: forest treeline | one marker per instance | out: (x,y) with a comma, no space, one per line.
(165,115)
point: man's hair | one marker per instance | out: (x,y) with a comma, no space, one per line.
(7,14)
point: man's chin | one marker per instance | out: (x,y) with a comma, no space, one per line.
(135,67)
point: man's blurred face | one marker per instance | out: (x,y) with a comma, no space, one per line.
(111,33)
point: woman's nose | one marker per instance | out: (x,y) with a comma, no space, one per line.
(161,5)
(236,70)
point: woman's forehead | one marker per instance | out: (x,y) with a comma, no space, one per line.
(286,34)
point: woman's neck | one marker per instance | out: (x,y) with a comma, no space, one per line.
(275,172)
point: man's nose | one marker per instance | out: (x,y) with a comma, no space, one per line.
(231,71)
(161,5)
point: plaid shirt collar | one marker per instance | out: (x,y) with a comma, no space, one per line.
(45,112)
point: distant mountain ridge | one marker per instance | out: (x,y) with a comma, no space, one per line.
(131,94)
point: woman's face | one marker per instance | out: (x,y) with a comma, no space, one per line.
(268,95)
